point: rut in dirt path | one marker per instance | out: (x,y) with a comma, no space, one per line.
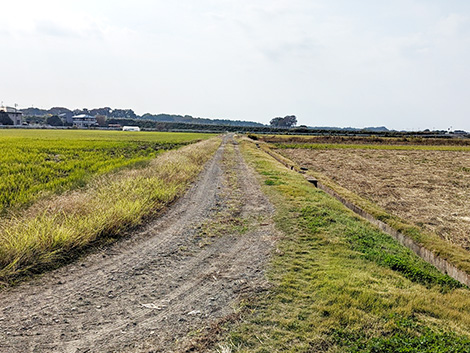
(146,293)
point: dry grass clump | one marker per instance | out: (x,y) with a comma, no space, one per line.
(50,229)
(429,188)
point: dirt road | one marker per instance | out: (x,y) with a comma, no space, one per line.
(151,291)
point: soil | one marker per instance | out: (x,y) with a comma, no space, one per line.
(155,290)
(429,188)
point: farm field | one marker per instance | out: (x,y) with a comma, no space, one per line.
(48,218)
(429,188)
(333,141)
(252,258)
(37,163)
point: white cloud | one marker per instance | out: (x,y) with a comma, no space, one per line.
(52,19)
(452,24)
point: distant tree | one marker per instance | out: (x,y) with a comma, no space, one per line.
(101,120)
(60,110)
(54,120)
(5,119)
(290,120)
(276,122)
(39,120)
(81,111)
(106,111)
(287,121)
(123,113)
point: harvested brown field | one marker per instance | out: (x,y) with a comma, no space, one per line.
(366,140)
(429,188)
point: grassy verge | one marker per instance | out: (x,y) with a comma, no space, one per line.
(50,229)
(340,285)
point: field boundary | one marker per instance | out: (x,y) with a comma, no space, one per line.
(427,255)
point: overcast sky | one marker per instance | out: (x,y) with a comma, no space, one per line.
(402,64)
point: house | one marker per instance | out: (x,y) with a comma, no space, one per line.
(15,115)
(84,121)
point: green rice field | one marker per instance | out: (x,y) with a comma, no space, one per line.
(35,163)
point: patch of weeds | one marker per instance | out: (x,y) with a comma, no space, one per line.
(406,335)
(464,169)
(374,245)
(384,250)
(316,218)
(274,180)
(224,223)
(207,337)
(228,218)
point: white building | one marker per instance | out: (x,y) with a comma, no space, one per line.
(83,121)
(15,115)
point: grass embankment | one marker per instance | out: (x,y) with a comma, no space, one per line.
(426,188)
(38,163)
(340,285)
(50,229)
(453,253)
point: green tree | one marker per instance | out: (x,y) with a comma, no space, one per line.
(101,120)
(287,121)
(54,120)
(5,119)
(276,122)
(290,120)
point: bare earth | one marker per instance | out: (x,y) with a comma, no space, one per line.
(151,291)
(428,188)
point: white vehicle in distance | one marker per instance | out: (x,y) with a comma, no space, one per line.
(130,128)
